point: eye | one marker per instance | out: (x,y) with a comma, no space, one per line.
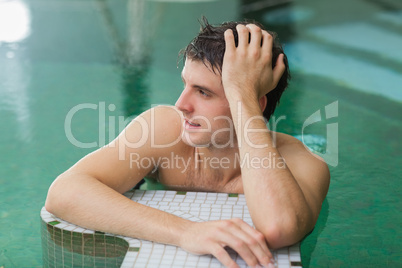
(202,92)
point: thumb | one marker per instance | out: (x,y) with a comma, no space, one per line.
(278,70)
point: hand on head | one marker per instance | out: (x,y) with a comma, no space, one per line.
(247,67)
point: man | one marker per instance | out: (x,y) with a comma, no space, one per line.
(220,142)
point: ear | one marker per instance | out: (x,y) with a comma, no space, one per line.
(263,102)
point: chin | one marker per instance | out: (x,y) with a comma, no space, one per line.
(192,140)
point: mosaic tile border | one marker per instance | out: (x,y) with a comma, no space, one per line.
(68,245)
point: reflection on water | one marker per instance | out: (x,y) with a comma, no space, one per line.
(15,22)
(133,55)
(66,61)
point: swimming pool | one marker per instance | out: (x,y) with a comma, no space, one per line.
(95,57)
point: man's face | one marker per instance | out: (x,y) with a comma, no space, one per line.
(207,118)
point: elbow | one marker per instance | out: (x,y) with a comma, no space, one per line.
(276,237)
(56,196)
(51,202)
(285,233)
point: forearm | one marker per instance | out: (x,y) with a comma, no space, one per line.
(275,200)
(87,202)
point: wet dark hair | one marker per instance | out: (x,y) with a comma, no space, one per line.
(209,47)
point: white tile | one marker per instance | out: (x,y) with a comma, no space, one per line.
(130,259)
(295,258)
(180,258)
(170,248)
(169,257)
(283,262)
(193,206)
(202,265)
(237,215)
(79,230)
(181,252)
(157,252)
(47,219)
(166,263)
(192,257)
(190,263)
(283,256)
(70,228)
(204,259)
(61,225)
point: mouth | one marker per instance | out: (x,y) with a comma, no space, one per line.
(191,124)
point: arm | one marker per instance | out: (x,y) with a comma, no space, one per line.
(90,193)
(284,200)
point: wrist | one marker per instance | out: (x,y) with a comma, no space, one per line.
(244,106)
(235,94)
(184,228)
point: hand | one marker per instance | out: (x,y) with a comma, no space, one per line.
(247,68)
(211,237)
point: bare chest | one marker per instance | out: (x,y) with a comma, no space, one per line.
(193,177)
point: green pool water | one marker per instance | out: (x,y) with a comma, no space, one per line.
(110,60)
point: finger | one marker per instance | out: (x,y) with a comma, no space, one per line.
(232,239)
(257,242)
(279,69)
(243,34)
(267,42)
(223,256)
(229,40)
(255,35)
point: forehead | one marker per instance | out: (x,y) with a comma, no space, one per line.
(195,68)
(196,74)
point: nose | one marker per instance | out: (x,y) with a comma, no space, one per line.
(183,103)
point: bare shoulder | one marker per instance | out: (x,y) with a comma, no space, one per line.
(291,146)
(158,127)
(161,117)
(310,170)
(282,139)
(297,155)
(153,134)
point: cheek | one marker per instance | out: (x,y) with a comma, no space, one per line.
(218,113)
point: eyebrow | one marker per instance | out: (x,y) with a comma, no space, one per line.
(200,87)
